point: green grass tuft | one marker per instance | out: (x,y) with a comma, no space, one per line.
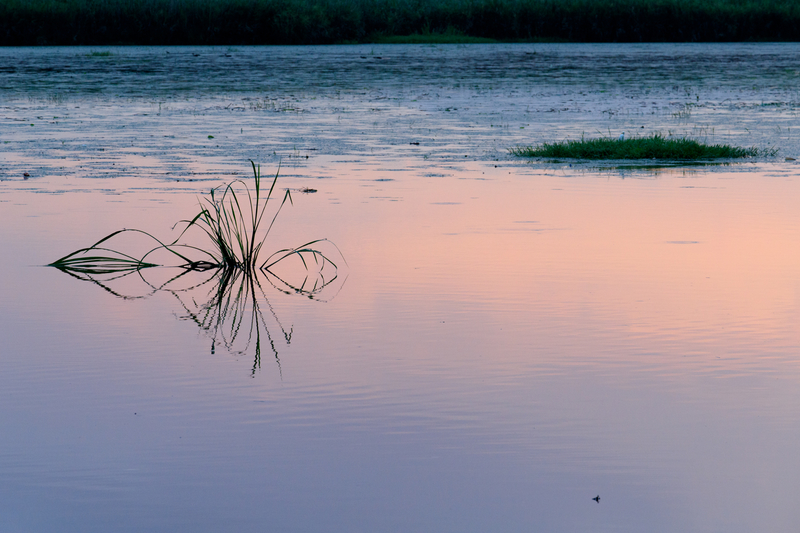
(652,147)
(233,224)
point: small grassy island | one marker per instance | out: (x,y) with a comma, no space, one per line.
(652,147)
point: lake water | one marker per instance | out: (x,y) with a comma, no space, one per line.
(507,340)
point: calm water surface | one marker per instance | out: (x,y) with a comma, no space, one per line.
(508,339)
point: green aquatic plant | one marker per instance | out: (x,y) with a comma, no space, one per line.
(651,147)
(233,226)
(233,218)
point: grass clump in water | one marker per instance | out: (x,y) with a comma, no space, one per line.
(234,221)
(232,225)
(221,290)
(652,147)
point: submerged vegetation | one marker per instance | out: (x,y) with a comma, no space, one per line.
(230,22)
(652,147)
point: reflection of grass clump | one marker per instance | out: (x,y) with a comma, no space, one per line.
(653,147)
(228,301)
(228,304)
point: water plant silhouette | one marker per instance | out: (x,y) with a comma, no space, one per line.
(228,301)
(233,225)
(235,313)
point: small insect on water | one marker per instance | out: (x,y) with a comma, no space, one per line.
(307,190)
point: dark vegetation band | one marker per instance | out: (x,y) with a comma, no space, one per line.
(651,147)
(231,22)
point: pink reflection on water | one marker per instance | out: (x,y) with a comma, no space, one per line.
(567,323)
(701,266)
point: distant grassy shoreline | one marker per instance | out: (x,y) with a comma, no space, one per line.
(652,147)
(242,22)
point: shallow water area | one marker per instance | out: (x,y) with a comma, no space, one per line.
(507,340)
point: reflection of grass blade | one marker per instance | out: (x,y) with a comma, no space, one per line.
(104,284)
(316,280)
(232,313)
(301,251)
(319,285)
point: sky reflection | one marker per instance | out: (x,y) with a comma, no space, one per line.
(635,339)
